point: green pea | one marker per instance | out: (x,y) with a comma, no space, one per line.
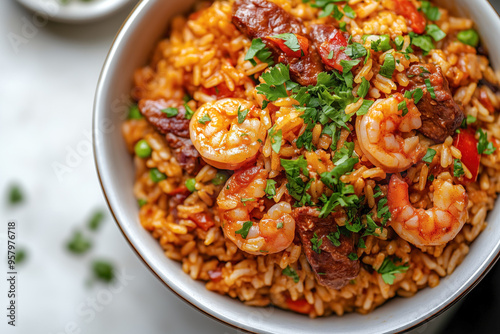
(142,202)
(142,149)
(469,37)
(156,176)
(220,178)
(134,112)
(190,184)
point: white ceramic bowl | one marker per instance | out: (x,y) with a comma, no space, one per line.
(131,49)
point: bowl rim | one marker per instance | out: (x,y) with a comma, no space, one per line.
(97,154)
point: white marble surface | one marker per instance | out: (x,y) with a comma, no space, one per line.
(46,95)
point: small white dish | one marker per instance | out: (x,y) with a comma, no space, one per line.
(74,11)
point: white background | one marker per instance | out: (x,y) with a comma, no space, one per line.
(46,92)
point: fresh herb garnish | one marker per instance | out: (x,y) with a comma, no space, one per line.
(365,106)
(189,112)
(430,89)
(78,244)
(96,220)
(429,156)
(243,231)
(457,168)
(15,194)
(363,88)
(245,200)
(170,112)
(242,114)
(259,50)
(270,188)
(483,145)
(288,271)
(276,139)
(389,269)
(432,12)
(387,69)
(352,256)
(204,119)
(334,238)
(469,37)
(435,32)
(349,12)
(290,40)
(316,243)
(103,271)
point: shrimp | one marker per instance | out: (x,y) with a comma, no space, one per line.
(241,204)
(229,132)
(432,227)
(385,135)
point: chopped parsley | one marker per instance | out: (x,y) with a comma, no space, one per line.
(381,43)
(96,220)
(432,12)
(20,255)
(276,139)
(402,106)
(469,37)
(430,89)
(363,88)
(296,186)
(204,119)
(316,243)
(429,156)
(141,202)
(424,42)
(270,188)
(15,194)
(416,94)
(483,145)
(334,238)
(458,169)
(78,244)
(383,211)
(242,114)
(245,200)
(277,82)
(330,54)
(387,69)
(349,12)
(399,41)
(189,112)
(364,107)
(243,231)
(290,40)
(355,50)
(389,269)
(170,112)
(103,271)
(134,112)
(352,256)
(435,32)
(259,50)
(470,119)
(288,271)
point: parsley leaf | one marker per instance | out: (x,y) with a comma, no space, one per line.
(424,42)
(258,49)
(290,40)
(78,243)
(352,256)
(243,231)
(349,12)
(363,88)
(388,67)
(204,119)
(389,269)
(316,243)
(432,12)
(430,89)
(457,168)
(355,50)
(242,114)
(435,32)
(96,220)
(171,112)
(288,271)
(277,82)
(483,145)
(364,107)
(189,112)
(276,139)
(245,200)
(103,270)
(296,186)
(270,188)
(334,238)
(429,155)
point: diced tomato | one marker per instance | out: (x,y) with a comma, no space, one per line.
(299,305)
(486,102)
(408,10)
(220,91)
(332,51)
(303,42)
(466,142)
(203,220)
(179,190)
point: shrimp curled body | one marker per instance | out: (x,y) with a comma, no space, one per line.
(432,227)
(241,202)
(229,132)
(385,135)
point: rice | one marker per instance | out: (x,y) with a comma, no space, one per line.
(206,52)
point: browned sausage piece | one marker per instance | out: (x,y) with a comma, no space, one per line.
(175,129)
(332,266)
(440,116)
(260,18)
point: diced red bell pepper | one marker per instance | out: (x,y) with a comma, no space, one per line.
(408,11)
(466,143)
(215,275)
(303,42)
(179,190)
(299,305)
(203,220)
(332,51)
